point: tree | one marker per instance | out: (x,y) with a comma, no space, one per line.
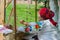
(59,15)
(55,8)
(41,1)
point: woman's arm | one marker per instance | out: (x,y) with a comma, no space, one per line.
(24,23)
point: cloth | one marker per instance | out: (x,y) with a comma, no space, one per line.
(46,13)
(32,27)
(5,30)
(21,28)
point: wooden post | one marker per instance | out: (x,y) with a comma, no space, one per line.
(1,12)
(35,10)
(15,18)
(4,10)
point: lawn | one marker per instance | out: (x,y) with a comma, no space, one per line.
(23,13)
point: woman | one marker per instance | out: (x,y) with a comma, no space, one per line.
(49,29)
(49,26)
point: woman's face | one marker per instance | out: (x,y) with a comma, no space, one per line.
(39,18)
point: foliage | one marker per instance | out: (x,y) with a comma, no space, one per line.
(22,13)
(41,1)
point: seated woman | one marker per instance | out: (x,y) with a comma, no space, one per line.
(49,26)
(49,29)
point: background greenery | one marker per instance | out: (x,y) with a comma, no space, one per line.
(23,12)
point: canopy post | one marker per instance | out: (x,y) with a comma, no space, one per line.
(35,10)
(15,18)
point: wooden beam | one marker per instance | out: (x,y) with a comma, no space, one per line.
(4,11)
(1,12)
(15,18)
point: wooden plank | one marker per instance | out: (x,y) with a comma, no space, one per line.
(1,11)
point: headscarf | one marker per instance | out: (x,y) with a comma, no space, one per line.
(46,13)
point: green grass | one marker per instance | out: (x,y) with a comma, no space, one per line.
(22,13)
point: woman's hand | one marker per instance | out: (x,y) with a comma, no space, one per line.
(26,23)
(22,21)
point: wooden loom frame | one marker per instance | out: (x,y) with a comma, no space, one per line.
(15,14)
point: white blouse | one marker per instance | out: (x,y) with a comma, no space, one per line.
(48,32)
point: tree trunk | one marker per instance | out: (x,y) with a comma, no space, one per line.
(54,7)
(59,15)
